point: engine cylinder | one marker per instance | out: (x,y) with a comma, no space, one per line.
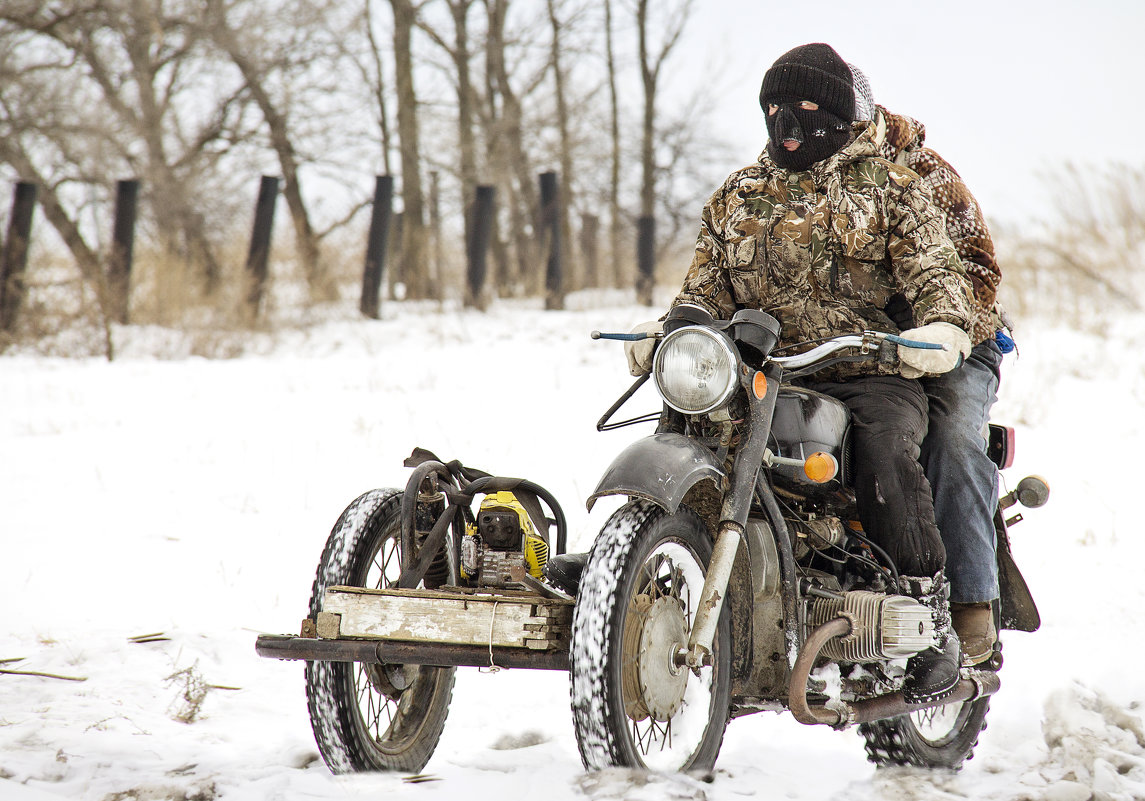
(882,626)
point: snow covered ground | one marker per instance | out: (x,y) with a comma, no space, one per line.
(170,494)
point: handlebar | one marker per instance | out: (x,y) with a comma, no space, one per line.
(853,340)
(869,344)
(823,351)
(866,341)
(626,337)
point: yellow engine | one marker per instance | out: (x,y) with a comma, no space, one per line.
(502,544)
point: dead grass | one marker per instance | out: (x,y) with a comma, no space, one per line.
(1089,258)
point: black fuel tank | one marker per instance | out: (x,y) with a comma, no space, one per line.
(806,422)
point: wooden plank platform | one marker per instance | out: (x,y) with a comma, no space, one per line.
(504,620)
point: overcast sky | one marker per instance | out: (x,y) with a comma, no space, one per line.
(1007,89)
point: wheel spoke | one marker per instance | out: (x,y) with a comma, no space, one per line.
(654,731)
(661,576)
(939,723)
(387,552)
(391,548)
(649,572)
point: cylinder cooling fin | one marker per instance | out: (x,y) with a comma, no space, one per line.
(882,626)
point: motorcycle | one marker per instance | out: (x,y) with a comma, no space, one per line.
(735,579)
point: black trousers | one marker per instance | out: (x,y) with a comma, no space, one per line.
(896,508)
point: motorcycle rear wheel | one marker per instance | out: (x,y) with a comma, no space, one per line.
(942,737)
(372,717)
(632,706)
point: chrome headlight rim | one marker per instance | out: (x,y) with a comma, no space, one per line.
(726,347)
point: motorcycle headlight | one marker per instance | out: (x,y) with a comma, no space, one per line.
(695,370)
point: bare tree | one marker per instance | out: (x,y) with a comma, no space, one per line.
(196,96)
(614,216)
(509,158)
(280,52)
(459,50)
(560,92)
(411,270)
(31,102)
(145,66)
(375,77)
(652,57)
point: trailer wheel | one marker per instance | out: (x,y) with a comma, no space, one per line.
(372,717)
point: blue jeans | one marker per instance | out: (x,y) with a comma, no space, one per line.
(964,480)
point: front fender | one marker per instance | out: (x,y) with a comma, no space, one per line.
(660,468)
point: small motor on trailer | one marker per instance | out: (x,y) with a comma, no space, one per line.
(502,545)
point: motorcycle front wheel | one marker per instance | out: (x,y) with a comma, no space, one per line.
(369,717)
(633,705)
(940,737)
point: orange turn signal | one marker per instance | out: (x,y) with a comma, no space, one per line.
(821,467)
(759,385)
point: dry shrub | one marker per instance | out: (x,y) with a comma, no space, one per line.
(187,706)
(1088,259)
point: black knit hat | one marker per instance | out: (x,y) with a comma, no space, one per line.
(811,72)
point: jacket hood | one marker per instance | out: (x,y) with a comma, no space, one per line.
(902,133)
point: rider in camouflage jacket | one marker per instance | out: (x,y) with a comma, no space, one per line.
(823,232)
(825,250)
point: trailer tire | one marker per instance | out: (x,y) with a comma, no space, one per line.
(372,717)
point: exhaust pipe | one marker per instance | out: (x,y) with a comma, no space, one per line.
(840,715)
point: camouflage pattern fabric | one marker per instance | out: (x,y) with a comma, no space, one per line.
(824,250)
(964,221)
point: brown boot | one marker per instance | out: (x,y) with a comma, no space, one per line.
(975,626)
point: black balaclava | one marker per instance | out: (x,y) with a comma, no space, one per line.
(809,72)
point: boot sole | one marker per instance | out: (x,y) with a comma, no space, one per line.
(928,698)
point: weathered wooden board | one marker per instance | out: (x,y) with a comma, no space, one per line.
(516,621)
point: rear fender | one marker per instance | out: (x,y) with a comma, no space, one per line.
(660,468)
(1019,612)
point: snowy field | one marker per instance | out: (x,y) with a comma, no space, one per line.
(169,495)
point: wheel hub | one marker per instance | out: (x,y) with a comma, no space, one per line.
(662,681)
(391,680)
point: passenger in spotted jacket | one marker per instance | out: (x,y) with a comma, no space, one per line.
(963,478)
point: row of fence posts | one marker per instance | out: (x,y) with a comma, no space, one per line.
(14,254)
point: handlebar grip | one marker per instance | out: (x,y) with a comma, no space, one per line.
(914,343)
(623,337)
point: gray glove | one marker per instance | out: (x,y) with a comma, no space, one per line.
(916,362)
(639,353)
